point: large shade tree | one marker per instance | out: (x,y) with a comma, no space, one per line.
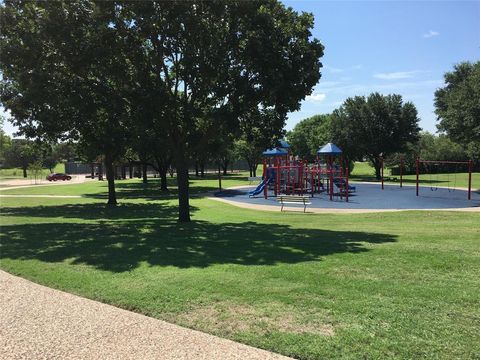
(65,73)
(375,126)
(457,106)
(209,56)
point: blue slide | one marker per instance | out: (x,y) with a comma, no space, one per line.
(260,187)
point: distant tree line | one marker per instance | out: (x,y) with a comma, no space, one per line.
(384,126)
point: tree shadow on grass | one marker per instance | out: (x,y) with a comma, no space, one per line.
(144,233)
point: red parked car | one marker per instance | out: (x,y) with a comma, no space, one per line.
(58,176)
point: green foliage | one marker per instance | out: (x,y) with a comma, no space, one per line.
(260,129)
(374,126)
(309,135)
(21,154)
(430,147)
(457,106)
(5,142)
(93,71)
(35,169)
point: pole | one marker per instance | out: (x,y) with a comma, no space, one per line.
(300,177)
(469,179)
(265,188)
(346,184)
(331,177)
(418,163)
(219,178)
(381,159)
(401,172)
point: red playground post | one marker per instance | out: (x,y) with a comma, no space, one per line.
(401,171)
(381,159)
(346,184)
(469,179)
(265,188)
(330,162)
(418,163)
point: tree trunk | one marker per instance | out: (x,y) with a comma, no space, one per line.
(225,167)
(196,169)
(130,171)
(163,179)
(24,172)
(124,172)
(112,197)
(377,165)
(144,173)
(202,170)
(100,171)
(183,195)
(92,171)
(250,168)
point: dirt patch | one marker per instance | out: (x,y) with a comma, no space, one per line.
(227,319)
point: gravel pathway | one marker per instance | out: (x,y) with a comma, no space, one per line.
(42,323)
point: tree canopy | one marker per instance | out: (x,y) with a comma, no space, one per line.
(457,106)
(375,126)
(92,71)
(309,134)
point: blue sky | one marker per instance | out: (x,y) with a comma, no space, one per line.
(401,47)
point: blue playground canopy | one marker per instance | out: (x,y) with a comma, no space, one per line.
(283,144)
(275,152)
(329,149)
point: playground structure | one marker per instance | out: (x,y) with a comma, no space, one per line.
(285,175)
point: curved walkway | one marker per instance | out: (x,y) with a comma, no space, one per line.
(42,323)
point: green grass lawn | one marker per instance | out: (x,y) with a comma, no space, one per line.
(363,171)
(17,173)
(387,285)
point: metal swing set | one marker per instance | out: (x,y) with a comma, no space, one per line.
(434,184)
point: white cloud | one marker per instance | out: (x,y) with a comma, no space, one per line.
(365,89)
(431,33)
(316,97)
(335,70)
(395,75)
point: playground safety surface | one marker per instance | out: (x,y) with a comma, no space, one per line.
(366,198)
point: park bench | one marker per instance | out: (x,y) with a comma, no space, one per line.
(294,200)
